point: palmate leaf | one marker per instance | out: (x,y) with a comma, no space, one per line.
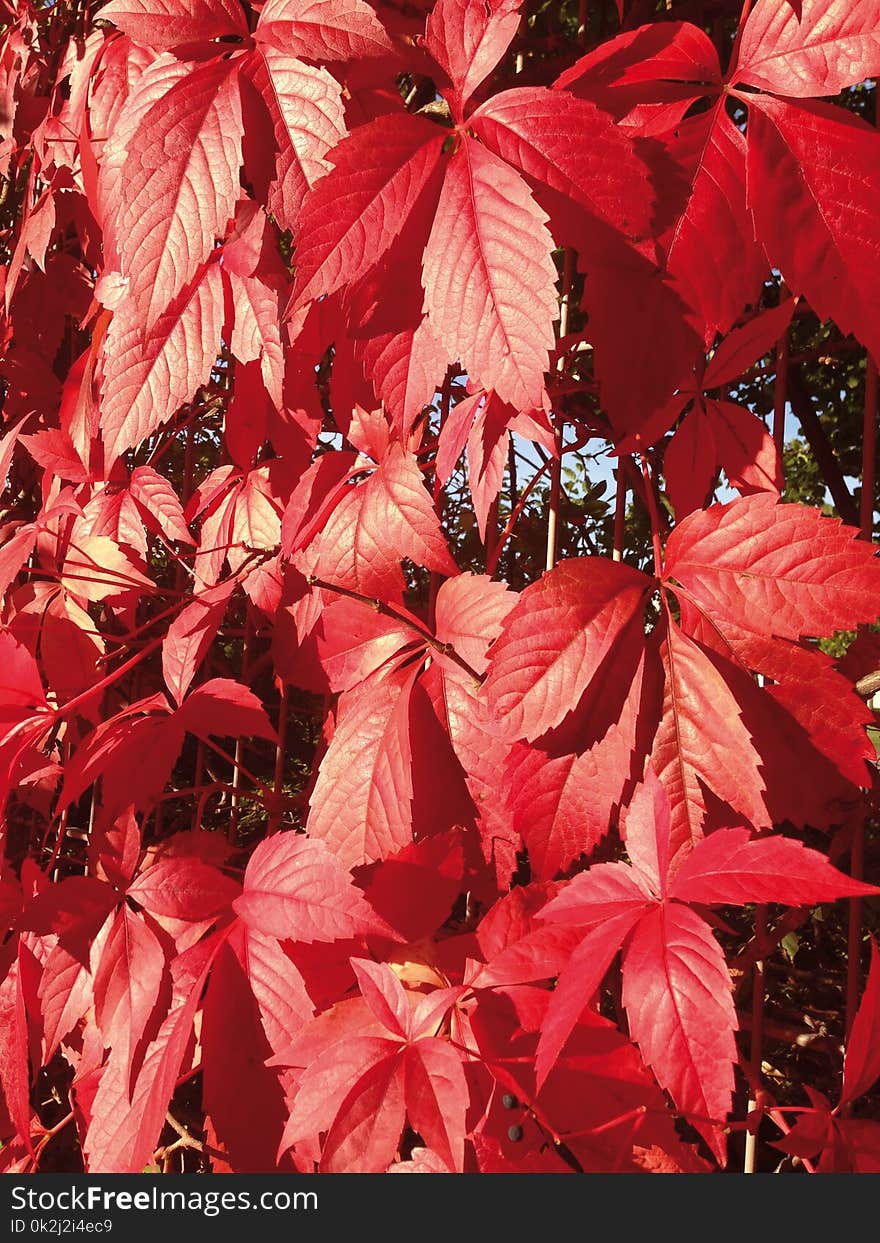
(676,986)
(280,311)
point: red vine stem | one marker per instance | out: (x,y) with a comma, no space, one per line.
(278,784)
(857,854)
(651,498)
(734,55)
(438,489)
(757,1039)
(619,514)
(511,523)
(556,467)
(239,742)
(387,610)
(780,393)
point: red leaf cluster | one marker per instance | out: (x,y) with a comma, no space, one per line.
(307,815)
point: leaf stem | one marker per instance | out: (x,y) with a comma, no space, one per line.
(651,499)
(387,610)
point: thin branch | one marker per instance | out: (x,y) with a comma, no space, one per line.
(387,610)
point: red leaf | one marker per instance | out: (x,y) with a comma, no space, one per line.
(74,909)
(361,802)
(133,756)
(647,829)
(14,1065)
(190,635)
(385,996)
(96,568)
(150,372)
(578,982)
(365,1133)
(127,983)
(155,495)
(468,40)
(295,889)
(437,1097)
(276,983)
(353,215)
(333,1054)
(469,615)
(563,804)
(238,1086)
(487,455)
(731,867)
(536,130)
(775,569)
(163,24)
(497,321)
(702,743)
(323,29)
(744,449)
(124,1127)
(354,641)
(676,990)
(602,892)
(820,50)
(690,462)
(674,51)
(21,689)
(861,1066)
(179,186)
(223,708)
(405,369)
(182,887)
(745,346)
(414,889)
(555,639)
(377,524)
(293,116)
(65,995)
(710,249)
(813,178)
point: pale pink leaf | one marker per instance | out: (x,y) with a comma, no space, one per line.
(179,186)
(163,24)
(296,889)
(323,29)
(490,283)
(821,50)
